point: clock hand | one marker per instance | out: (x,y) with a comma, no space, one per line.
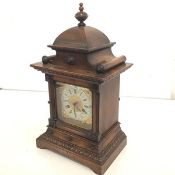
(77,106)
(75,111)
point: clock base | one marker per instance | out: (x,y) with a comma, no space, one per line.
(98,156)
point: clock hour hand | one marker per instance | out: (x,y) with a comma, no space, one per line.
(74,111)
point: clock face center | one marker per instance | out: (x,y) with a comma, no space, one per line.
(76,103)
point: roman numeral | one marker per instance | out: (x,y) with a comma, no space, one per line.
(84,111)
(66,94)
(81,93)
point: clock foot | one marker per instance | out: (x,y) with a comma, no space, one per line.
(40,144)
(81,150)
(101,169)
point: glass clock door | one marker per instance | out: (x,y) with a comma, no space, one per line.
(74,105)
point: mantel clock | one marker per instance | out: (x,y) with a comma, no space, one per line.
(83,81)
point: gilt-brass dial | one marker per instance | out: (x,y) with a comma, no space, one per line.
(74,105)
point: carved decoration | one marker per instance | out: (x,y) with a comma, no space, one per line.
(90,77)
(81,15)
(99,158)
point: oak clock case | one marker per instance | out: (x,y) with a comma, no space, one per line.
(83,83)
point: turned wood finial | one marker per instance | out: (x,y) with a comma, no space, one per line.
(81,15)
(81,8)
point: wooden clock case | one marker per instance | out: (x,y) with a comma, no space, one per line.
(84,58)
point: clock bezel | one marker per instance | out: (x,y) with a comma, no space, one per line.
(60,90)
(94,88)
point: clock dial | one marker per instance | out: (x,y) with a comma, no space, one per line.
(74,105)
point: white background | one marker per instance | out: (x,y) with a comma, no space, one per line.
(143,31)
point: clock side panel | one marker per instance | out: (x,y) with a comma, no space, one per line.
(109,104)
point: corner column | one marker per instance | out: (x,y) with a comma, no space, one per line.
(52,100)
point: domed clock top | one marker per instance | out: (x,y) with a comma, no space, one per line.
(91,43)
(82,38)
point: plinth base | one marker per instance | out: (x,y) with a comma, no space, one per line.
(96,157)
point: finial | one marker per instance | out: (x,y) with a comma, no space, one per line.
(81,15)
